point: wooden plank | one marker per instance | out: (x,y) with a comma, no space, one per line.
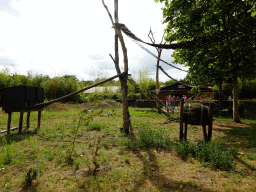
(20,122)
(11,129)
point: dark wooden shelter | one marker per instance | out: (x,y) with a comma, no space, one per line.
(178,89)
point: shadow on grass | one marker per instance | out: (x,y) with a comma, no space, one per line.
(152,172)
(14,136)
(239,135)
(162,183)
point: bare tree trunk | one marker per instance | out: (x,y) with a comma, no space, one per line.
(123,80)
(157,77)
(157,65)
(124,77)
(235,100)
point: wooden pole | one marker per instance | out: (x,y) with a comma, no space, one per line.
(9,123)
(211,121)
(39,119)
(21,122)
(28,116)
(123,79)
(185,135)
(181,118)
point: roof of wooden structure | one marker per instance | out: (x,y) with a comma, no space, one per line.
(181,87)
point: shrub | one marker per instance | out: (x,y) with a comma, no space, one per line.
(151,137)
(134,96)
(96,125)
(184,148)
(215,154)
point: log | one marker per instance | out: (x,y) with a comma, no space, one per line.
(11,129)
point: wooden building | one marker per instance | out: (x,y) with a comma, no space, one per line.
(179,89)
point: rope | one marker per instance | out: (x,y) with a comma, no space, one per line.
(218,36)
(137,40)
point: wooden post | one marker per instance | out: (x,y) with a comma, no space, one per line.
(28,116)
(181,118)
(211,121)
(185,135)
(39,119)
(123,79)
(9,123)
(20,122)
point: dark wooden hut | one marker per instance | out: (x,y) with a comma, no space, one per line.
(178,89)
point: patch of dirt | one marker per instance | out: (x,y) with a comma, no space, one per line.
(59,106)
(101,105)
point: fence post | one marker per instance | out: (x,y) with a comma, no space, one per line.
(181,118)
(210,123)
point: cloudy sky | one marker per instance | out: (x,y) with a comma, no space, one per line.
(61,37)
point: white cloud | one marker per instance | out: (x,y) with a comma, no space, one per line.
(75,37)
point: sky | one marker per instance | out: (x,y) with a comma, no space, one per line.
(60,37)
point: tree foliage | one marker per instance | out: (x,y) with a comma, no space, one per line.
(227,60)
(211,63)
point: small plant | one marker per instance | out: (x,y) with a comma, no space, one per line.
(7,151)
(95,125)
(126,158)
(34,144)
(30,175)
(71,150)
(94,150)
(251,156)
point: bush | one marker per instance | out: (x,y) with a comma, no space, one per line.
(134,96)
(151,137)
(215,154)
(184,148)
(59,86)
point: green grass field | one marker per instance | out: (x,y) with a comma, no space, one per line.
(81,147)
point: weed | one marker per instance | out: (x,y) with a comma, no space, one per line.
(71,149)
(33,144)
(7,152)
(184,148)
(95,125)
(94,161)
(216,154)
(151,137)
(126,158)
(212,154)
(251,156)
(30,175)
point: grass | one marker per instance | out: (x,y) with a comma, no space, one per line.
(80,150)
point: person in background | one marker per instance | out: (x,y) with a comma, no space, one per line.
(169,101)
(166,102)
(173,102)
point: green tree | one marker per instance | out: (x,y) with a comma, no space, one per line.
(227,60)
